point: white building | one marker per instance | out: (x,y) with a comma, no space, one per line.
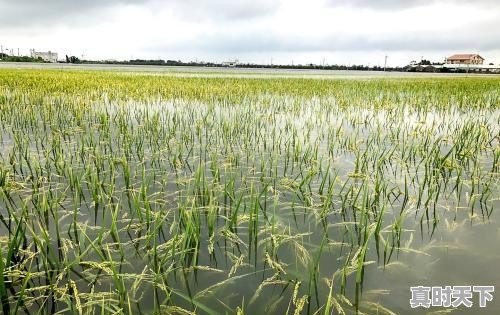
(45,55)
(230,63)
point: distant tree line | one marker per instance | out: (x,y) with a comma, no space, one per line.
(161,62)
(320,67)
(154,62)
(423,66)
(9,58)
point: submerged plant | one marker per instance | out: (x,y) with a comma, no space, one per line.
(149,194)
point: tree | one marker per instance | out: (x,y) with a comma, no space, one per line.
(72,59)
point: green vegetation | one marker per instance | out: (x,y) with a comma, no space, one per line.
(148,194)
(8,58)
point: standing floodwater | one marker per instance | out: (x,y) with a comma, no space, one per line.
(147,194)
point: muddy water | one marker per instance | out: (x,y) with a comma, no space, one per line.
(457,247)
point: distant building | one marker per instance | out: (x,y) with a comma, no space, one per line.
(45,55)
(233,63)
(468,59)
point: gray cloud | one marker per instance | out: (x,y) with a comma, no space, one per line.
(223,9)
(405,4)
(26,13)
(472,37)
(237,27)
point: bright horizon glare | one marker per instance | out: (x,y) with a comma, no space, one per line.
(255,31)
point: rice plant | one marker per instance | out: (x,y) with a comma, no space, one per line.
(162,194)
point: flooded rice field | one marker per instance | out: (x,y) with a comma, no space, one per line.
(164,194)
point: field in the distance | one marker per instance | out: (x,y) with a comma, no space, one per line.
(164,194)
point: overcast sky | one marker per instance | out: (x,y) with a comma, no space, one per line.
(262,31)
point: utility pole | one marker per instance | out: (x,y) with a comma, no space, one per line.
(385,62)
